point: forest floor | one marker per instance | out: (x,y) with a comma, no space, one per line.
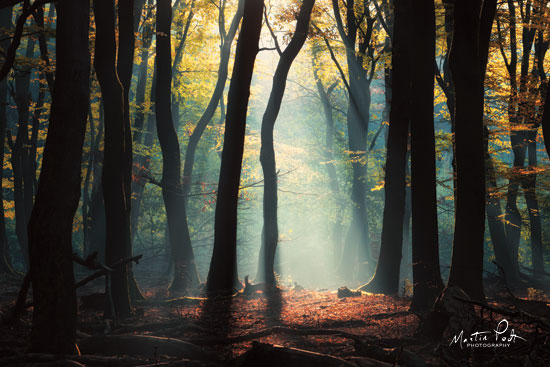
(364,330)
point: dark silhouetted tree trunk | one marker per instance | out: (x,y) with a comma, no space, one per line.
(222,275)
(6,24)
(267,151)
(51,222)
(96,209)
(125,66)
(493,208)
(386,277)
(185,269)
(467,257)
(426,275)
(22,187)
(117,220)
(141,161)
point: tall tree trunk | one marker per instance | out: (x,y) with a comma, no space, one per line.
(138,184)
(324,95)
(357,246)
(5,24)
(20,155)
(96,208)
(51,222)
(386,277)
(185,269)
(513,218)
(267,151)
(86,187)
(222,274)
(467,257)
(146,139)
(177,60)
(115,160)
(493,208)
(426,275)
(125,67)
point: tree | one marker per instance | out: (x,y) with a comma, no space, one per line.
(217,94)
(51,221)
(386,277)
(20,158)
(267,151)
(523,131)
(223,266)
(115,162)
(426,276)
(5,23)
(324,96)
(185,269)
(357,40)
(467,257)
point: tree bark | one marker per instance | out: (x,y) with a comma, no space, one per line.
(185,269)
(467,257)
(20,156)
(426,275)
(5,23)
(51,222)
(222,275)
(115,160)
(357,247)
(386,277)
(267,151)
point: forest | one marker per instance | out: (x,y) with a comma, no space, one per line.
(284,183)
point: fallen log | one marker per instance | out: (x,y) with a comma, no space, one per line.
(276,330)
(541,322)
(142,346)
(267,355)
(105,269)
(344,292)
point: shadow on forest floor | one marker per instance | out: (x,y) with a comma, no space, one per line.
(245,329)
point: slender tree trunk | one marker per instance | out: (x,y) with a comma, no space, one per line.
(20,156)
(426,275)
(357,247)
(125,66)
(324,95)
(51,222)
(146,139)
(115,156)
(96,208)
(185,269)
(206,117)
(467,257)
(493,208)
(222,275)
(86,187)
(386,277)
(267,151)
(6,24)
(177,60)
(517,140)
